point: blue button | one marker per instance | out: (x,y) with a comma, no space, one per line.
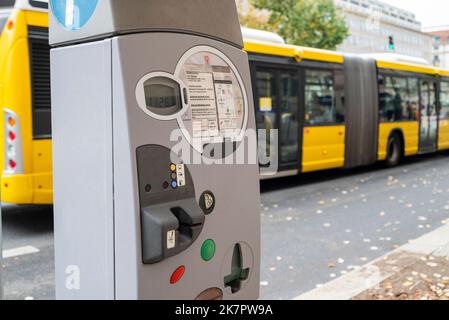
(174,185)
(73,14)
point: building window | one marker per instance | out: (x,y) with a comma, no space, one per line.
(436,61)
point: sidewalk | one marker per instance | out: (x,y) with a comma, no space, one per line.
(416,271)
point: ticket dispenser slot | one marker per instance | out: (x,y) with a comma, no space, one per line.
(171,219)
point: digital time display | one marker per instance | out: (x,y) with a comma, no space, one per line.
(162,96)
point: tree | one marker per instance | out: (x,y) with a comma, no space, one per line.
(312,23)
(251,17)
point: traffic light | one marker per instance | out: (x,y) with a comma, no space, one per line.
(391,45)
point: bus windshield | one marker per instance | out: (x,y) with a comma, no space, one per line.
(39,3)
(7,3)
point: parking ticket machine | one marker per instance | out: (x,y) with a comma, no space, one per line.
(152,102)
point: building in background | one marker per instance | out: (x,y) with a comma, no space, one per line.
(440,36)
(377,27)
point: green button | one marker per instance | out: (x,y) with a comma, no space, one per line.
(208,250)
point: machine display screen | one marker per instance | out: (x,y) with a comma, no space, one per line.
(160,96)
(163,96)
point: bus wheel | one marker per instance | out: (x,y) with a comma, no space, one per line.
(394,151)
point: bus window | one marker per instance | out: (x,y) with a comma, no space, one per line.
(7,3)
(427,98)
(444,99)
(398,98)
(413,99)
(5,10)
(339,88)
(43,4)
(320,98)
(289,139)
(428,116)
(266,108)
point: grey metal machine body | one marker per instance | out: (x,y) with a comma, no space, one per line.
(132,220)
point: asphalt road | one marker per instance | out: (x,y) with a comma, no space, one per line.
(29,275)
(314,228)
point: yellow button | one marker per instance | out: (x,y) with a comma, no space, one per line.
(173,167)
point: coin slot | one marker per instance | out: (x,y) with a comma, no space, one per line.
(238,273)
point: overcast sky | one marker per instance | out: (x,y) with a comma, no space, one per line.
(430,12)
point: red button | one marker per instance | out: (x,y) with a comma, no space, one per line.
(177,275)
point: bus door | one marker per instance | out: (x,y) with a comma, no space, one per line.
(428,117)
(277,108)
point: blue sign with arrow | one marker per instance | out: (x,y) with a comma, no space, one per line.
(73,14)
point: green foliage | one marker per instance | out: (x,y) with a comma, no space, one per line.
(251,17)
(312,23)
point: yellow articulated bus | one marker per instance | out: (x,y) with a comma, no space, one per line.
(332,110)
(25,115)
(343,111)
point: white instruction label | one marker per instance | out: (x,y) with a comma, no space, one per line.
(171,239)
(200,84)
(224,89)
(181,175)
(217,103)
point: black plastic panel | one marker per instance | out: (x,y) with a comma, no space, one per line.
(40,81)
(171,219)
